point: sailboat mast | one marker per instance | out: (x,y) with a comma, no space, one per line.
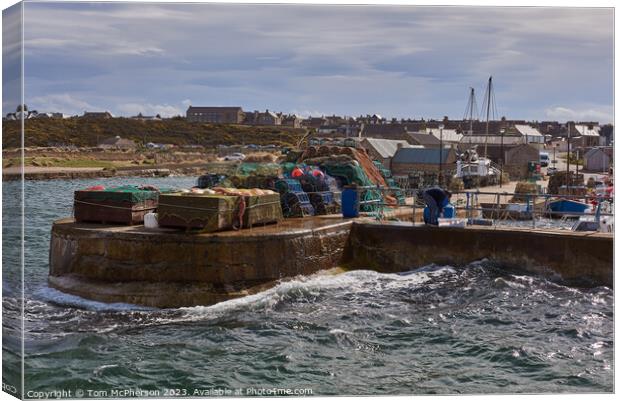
(568,160)
(470,110)
(471,114)
(486,138)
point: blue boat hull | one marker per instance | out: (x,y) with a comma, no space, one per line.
(566,207)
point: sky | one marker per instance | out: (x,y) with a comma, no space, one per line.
(397,61)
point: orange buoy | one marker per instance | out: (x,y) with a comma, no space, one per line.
(318,174)
(297,172)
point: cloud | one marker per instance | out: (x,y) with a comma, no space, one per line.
(62,102)
(394,60)
(602,114)
(164,110)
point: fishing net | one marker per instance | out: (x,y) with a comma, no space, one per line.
(210,180)
(124,193)
(264,169)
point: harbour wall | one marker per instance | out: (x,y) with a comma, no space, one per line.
(170,268)
(573,258)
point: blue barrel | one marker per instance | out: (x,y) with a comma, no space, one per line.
(427,214)
(349,203)
(449,211)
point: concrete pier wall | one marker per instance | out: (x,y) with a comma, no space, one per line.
(576,258)
(168,268)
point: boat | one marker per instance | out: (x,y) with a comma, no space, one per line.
(513,211)
(567,208)
(604,224)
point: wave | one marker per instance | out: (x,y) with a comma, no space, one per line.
(56,297)
(313,286)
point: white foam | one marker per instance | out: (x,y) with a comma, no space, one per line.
(352,282)
(52,295)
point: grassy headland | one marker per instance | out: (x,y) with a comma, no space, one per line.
(82,132)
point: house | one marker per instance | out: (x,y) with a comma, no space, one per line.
(449,136)
(423,139)
(117,142)
(383,150)
(314,122)
(292,120)
(415,159)
(269,118)
(590,134)
(100,115)
(598,159)
(25,114)
(491,146)
(531,135)
(328,130)
(266,118)
(385,131)
(560,144)
(140,117)
(517,159)
(48,115)
(215,115)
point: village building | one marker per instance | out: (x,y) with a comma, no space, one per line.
(263,118)
(268,118)
(598,159)
(385,131)
(215,115)
(530,135)
(589,133)
(423,139)
(370,119)
(292,120)
(517,160)
(314,122)
(117,142)
(412,159)
(383,150)
(99,115)
(46,115)
(560,144)
(445,135)
(328,130)
(491,146)
(141,117)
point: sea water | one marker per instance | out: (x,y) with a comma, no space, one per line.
(439,329)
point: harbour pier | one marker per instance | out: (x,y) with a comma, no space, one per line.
(171,268)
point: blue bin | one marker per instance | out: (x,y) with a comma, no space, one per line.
(449,211)
(349,203)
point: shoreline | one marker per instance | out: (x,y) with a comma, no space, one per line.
(52,173)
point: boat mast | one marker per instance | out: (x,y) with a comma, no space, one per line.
(488,107)
(568,160)
(470,110)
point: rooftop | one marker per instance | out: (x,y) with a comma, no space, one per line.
(421,155)
(386,147)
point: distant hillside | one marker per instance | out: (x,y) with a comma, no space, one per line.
(86,132)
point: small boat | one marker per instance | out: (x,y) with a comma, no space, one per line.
(604,224)
(567,208)
(586,223)
(514,211)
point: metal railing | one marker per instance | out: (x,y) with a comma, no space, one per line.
(536,205)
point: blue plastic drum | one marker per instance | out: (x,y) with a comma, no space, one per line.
(349,203)
(449,211)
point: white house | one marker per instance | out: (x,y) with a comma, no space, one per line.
(531,135)
(593,134)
